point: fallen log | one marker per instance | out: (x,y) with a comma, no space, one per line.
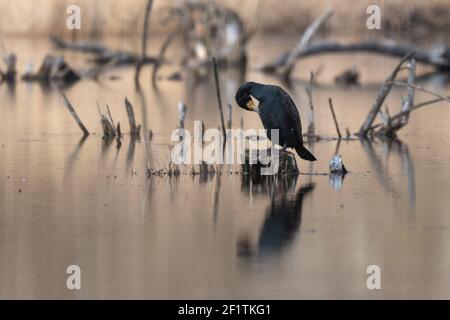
(102,54)
(438,57)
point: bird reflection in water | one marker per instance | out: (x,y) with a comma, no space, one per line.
(282,217)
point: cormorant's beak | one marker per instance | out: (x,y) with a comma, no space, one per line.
(251,106)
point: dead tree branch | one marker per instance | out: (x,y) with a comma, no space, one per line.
(396,125)
(382,94)
(302,45)
(419,88)
(410,97)
(418,106)
(438,57)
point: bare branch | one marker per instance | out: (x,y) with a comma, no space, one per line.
(382,94)
(303,44)
(334,119)
(417,87)
(75,115)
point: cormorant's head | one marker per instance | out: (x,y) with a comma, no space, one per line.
(244,99)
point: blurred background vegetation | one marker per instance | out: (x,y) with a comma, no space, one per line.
(102,18)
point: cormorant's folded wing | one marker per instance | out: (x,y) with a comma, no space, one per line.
(291,112)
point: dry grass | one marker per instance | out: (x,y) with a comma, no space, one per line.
(118,17)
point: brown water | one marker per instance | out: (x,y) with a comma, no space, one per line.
(69,201)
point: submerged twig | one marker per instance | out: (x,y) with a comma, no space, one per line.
(75,115)
(257,18)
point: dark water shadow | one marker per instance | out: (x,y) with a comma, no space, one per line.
(282,221)
(106,144)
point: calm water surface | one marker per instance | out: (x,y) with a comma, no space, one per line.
(67,201)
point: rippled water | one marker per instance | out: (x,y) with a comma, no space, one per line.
(65,200)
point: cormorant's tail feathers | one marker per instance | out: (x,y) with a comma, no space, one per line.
(305,154)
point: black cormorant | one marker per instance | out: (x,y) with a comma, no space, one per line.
(277,111)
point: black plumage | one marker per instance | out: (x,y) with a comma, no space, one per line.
(277,111)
